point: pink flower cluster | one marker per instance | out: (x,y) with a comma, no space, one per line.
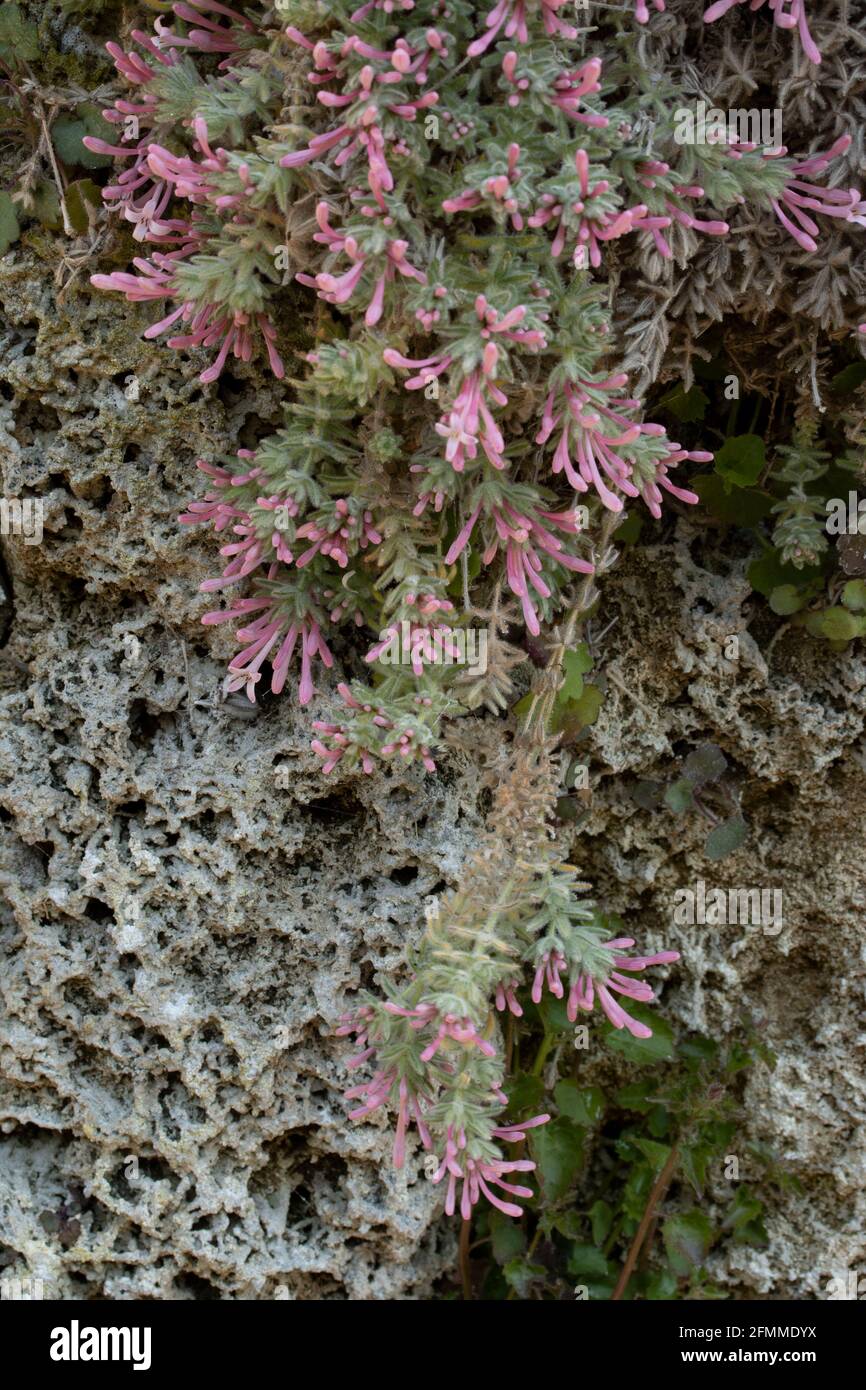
(477,1175)
(800,197)
(339,289)
(366,105)
(406,742)
(262,635)
(428,641)
(787,14)
(143,192)
(585,987)
(585,223)
(592,430)
(522,537)
(250,550)
(509,16)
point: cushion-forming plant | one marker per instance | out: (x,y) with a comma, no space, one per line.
(446,183)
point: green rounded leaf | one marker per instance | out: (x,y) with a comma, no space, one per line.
(687,1239)
(705,764)
(557,1148)
(785,599)
(725,838)
(679,795)
(836,624)
(741,460)
(68,132)
(854,595)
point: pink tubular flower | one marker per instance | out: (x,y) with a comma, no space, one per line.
(209,324)
(501,189)
(800,197)
(787,14)
(477,1175)
(365,104)
(571,87)
(648,174)
(642,12)
(552,962)
(512,15)
(430,644)
(651,488)
(469,421)
(507,999)
(254,546)
(584,988)
(389,6)
(262,635)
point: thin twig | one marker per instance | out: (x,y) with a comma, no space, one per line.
(465,1268)
(662,1183)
